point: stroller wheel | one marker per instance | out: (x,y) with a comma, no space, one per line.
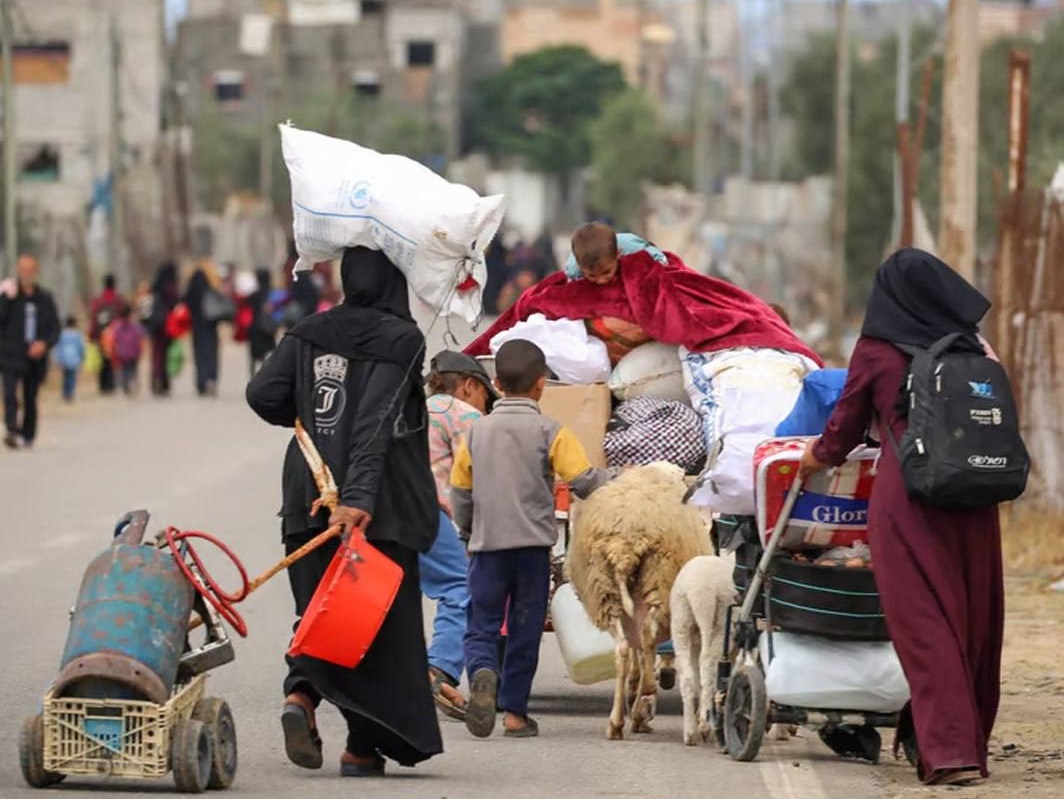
(745,713)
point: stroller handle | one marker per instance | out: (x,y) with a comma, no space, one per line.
(754,588)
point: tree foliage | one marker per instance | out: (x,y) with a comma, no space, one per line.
(541,105)
(629,146)
(808,98)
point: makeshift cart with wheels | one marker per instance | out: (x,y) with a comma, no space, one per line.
(807,643)
(130,698)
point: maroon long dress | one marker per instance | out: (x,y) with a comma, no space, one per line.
(939,576)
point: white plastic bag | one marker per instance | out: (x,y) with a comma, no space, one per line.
(741,394)
(573,355)
(650,370)
(815,672)
(345,195)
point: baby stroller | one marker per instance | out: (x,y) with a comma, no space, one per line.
(806,643)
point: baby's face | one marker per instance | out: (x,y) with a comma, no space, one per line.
(601,271)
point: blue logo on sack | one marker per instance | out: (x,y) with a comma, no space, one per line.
(982,390)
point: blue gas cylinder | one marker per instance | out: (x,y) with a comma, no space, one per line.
(129,625)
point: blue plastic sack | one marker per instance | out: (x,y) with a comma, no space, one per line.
(820,391)
(627,243)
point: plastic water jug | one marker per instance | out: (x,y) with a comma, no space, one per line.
(586,650)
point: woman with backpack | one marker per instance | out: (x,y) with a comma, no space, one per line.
(938,566)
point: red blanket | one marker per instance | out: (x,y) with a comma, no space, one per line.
(672,303)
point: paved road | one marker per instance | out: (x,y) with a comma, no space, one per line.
(210,465)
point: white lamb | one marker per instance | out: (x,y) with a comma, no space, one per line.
(699,601)
(630,540)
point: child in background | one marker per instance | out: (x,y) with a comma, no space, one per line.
(506,512)
(128,342)
(70,352)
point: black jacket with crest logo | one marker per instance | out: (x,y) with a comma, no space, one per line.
(369,422)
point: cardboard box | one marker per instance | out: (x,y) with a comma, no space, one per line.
(583,409)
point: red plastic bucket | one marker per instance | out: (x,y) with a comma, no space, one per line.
(349,606)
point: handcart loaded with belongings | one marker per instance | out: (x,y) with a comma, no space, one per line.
(807,643)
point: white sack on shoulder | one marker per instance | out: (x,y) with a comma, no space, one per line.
(573,355)
(436,232)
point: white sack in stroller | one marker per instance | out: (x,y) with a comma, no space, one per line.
(573,355)
(436,232)
(816,672)
(741,394)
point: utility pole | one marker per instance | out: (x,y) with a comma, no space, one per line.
(960,137)
(775,21)
(10,146)
(901,117)
(703,170)
(746,151)
(842,163)
(117,237)
(268,140)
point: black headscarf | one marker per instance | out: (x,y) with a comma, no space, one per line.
(917,299)
(374,322)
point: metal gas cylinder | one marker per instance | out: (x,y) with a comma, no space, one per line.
(129,625)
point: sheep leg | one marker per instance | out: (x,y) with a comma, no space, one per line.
(645,703)
(711,626)
(688,645)
(615,729)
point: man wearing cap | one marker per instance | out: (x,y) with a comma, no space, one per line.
(460,393)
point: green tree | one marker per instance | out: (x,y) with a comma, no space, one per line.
(629,146)
(540,107)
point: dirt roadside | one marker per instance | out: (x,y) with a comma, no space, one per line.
(1027,748)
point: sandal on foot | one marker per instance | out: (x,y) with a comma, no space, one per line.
(448,707)
(530,730)
(349,767)
(480,712)
(302,743)
(956,776)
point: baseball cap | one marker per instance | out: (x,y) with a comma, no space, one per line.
(454,361)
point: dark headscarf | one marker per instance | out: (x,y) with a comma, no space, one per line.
(374,322)
(917,299)
(164,286)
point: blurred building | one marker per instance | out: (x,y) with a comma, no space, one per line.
(62,60)
(414,54)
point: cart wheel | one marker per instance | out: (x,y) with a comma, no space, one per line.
(31,754)
(191,755)
(745,713)
(216,715)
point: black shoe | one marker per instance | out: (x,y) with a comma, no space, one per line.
(374,769)
(480,712)
(11,441)
(848,740)
(302,743)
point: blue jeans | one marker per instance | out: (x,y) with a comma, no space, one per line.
(443,579)
(520,577)
(70,383)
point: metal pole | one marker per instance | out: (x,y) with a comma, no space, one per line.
(776,10)
(901,111)
(842,162)
(703,172)
(270,103)
(960,138)
(10,145)
(117,238)
(745,67)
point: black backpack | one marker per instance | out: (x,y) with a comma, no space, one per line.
(963,447)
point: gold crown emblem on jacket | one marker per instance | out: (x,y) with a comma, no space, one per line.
(330,366)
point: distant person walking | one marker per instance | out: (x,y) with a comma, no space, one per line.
(204,328)
(102,311)
(70,352)
(128,346)
(164,297)
(29,327)
(262,333)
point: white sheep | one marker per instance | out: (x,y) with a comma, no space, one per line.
(699,602)
(630,540)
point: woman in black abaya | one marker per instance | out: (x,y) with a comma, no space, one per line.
(352,375)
